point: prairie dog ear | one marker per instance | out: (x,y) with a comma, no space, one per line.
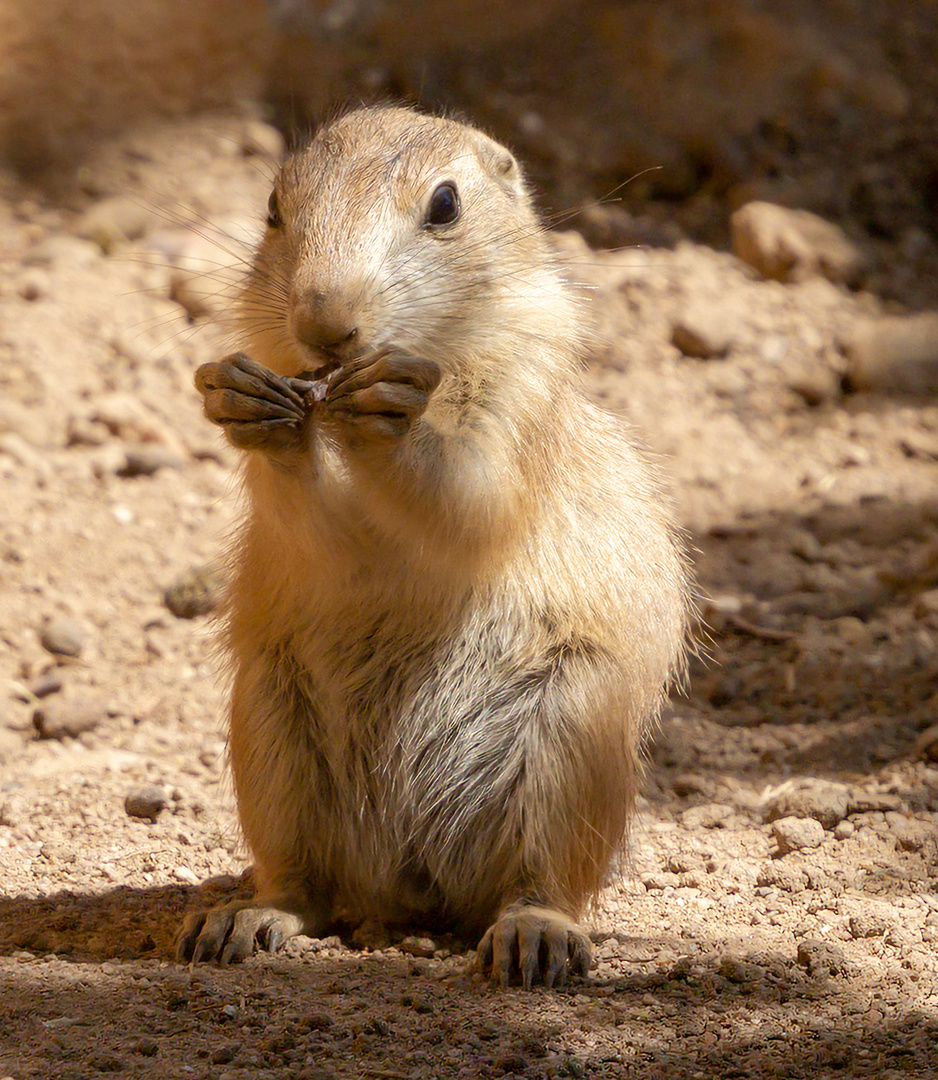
(501,166)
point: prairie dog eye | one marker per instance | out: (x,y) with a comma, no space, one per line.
(274,217)
(444,206)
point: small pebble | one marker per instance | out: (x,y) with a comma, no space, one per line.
(66,717)
(34,284)
(793,834)
(146,459)
(115,220)
(224,1054)
(49,683)
(418,946)
(146,802)
(822,800)
(195,592)
(64,636)
(662,880)
(868,923)
(262,140)
(896,353)
(820,957)
(703,331)
(844,829)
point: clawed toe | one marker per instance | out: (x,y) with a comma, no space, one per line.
(537,943)
(230,934)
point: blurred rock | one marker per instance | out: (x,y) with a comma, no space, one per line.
(30,424)
(793,245)
(821,957)
(33,284)
(67,717)
(822,800)
(116,220)
(146,802)
(418,946)
(64,636)
(208,262)
(60,250)
(261,140)
(145,459)
(195,592)
(704,330)
(870,921)
(926,745)
(896,353)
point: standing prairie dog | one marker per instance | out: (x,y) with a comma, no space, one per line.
(457,598)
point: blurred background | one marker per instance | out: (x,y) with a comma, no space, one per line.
(695,106)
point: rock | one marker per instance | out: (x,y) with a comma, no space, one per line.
(794,834)
(703,331)
(708,816)
(866,802)
(821,957)
(261,140)
(816,385)
(68,251)
(869,922)
(663,880)
(911,834)
(46,684)
(33,284)
(926,745)
(822,800)
(736,970)
(919,444)
(224,1054)
(28,424)
(896,353)
(116,220)
(418,946)
(64,636)
(206,263)
(195,592)
(23,454)
(68,717)
(793,245)
(691,784)
(145,459)
(844,829)
(146,802)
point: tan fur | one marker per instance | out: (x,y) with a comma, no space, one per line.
(446,648)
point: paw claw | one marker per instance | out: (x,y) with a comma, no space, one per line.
(535,943)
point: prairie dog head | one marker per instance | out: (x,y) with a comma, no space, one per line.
(396,229)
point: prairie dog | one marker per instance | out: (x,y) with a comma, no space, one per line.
(458,597)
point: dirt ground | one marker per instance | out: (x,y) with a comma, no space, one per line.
(777,913)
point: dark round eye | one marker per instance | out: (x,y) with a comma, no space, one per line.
(274,217)
(444,206)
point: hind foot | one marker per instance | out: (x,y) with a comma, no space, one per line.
(538,943)
(232,932)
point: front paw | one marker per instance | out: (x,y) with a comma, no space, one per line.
(537,943)
(383,393)
(232,932)
(258,409)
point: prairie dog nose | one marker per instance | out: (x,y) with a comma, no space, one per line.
(325,322)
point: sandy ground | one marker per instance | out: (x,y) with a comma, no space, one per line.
(731,944)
